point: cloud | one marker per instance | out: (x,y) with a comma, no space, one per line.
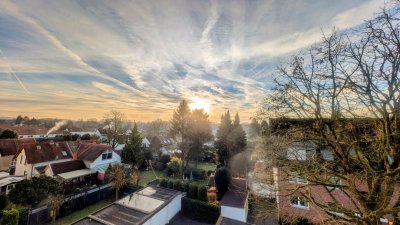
(142,57)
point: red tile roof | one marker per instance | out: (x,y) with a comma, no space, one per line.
(9,146)
(90,152)
(46,151)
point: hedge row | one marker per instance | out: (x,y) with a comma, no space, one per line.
(14,216)
(193,191)
(200,211)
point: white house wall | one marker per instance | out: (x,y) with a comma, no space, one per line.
(163,216)
(99,162)
(239,214)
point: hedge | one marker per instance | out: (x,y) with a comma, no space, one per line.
(170,184)
(163,183)
(193,191)
(10,217)
(177,185)
(202,194)
(200,211)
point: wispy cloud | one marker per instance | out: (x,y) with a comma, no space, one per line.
(83,58)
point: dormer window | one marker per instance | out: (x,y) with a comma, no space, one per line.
(64,153)
(106,155)
(38,147)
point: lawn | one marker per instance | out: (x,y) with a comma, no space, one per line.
(77,215)
(147,176)
(203,165)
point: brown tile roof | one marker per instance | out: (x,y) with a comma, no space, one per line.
(46,151)
(9,146)
(68,166)
(30,129)
(90,152)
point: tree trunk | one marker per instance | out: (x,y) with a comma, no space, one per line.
(116,194)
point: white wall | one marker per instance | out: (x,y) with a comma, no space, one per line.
(163,216)
(239,214)
(100,162)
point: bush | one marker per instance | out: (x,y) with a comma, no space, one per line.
(23,216)
(165,159)
(163,183)
(200,211)
(193,191)
(202,194)
(10,217)
(170,184)
(177,185)
(185,186)
(174,166)
(222,181)
(3,201)
(159,166)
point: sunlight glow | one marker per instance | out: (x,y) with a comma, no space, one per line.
(200,103)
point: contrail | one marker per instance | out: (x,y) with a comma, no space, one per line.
(11,71)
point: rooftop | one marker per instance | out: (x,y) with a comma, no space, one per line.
(236,196)
(134,209)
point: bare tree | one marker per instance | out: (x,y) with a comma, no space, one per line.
(347,90)
(114,127)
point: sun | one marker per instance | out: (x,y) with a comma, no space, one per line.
(200,103)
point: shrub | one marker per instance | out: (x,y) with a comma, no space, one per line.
(200,211)
(185,186)
(3,201)
(170,184)
(165,159)
(174,166)
(202,194)
(23,216)
(10,217)
(163,183)
(159,166)
(177,185)
(193,191)
(222,181)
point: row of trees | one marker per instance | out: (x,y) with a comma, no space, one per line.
(348,87)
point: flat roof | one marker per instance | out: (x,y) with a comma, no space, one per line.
(10,180)
(133,209)
(236,196)
(76,173)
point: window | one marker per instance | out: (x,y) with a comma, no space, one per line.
(299,202)
(335,181)
(64,153)
(106,155)
(9,187)
(13,162)
(25,173)
(20,161)
(296,179)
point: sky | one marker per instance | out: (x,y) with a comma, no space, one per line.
(81,59)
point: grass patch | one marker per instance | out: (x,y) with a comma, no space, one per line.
(203,165)
(147,176)
(77,215)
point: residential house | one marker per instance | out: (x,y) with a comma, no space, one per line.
(97,157)
(81,132)
(33,157)
(7,182)
(151,205)
(8,149)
